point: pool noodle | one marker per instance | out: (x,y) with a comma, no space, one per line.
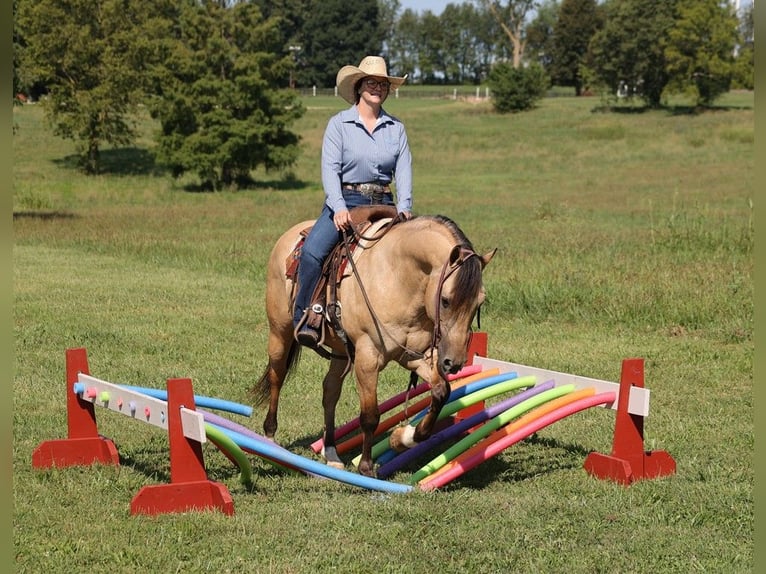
(514,437)
(463,386)
(529,417)
(389,467)
(199,401)
(234,453)
(488,427)
(512,383)
(228,425)
(394,401)
(271,451)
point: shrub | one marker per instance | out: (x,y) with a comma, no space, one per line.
(517,89)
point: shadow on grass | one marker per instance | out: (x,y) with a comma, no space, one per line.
(250,185)
(120,162)
(132,161)
(43,215)
(670,110)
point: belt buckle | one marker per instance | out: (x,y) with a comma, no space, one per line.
(367,188)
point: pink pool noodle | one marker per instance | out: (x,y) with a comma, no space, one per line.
(403,458)
(394,401)
(494,448)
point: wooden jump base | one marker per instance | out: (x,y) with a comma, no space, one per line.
(189,487)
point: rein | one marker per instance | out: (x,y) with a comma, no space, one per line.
(447,270)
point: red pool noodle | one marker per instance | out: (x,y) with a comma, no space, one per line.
(489,450)
(526,419)
(466,375)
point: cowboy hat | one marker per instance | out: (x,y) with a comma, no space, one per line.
(369,66)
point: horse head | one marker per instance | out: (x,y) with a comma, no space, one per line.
(458,296)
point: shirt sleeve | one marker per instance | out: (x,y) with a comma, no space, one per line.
(332,156)
(403,174)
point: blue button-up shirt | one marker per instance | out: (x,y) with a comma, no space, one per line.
(350,154)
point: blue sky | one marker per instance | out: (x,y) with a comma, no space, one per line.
(435,6)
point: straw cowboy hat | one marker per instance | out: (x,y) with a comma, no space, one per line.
(369,66)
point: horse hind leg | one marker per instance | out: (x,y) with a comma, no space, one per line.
(283,355)
(331,389)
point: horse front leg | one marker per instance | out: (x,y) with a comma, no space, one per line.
(369,415)
(331,389)
(407,436)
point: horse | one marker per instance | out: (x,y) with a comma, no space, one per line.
(412,298)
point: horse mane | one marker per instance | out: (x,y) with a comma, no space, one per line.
(468,276)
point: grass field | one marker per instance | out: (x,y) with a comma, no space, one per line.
(620,234)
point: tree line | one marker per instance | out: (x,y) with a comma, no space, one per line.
(218,75)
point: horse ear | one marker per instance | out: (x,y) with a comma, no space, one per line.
(487,257)
(455,255)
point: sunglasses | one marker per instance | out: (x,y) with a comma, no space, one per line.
(373,83)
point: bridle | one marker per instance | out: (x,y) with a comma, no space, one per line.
(448,269)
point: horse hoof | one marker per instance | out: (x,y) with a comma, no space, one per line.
(332,459)
(402,438)
(368,472)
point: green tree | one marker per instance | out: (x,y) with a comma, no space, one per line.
(630,48)
(512,19)
(700,50)
(337,33)
(517,89)
(540,33)
(744,63)
(220,106)
(92,58)
(577,21)
(402,46)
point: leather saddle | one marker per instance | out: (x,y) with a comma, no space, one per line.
(371,222)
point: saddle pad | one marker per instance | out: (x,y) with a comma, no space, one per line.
(368,239)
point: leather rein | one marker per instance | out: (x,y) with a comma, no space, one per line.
(447,270)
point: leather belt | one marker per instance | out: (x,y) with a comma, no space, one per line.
(367,189)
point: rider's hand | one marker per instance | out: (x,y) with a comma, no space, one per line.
(342,220)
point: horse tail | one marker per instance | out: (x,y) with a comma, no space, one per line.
(261,392)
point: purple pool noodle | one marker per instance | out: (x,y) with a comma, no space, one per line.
(232,426)
(392,466)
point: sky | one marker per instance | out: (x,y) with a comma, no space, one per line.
(435,6)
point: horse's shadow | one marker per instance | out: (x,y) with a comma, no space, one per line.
(523,461)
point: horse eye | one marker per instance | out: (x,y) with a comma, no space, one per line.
(445,302)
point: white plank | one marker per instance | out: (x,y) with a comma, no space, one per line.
(638,403)
(139,406)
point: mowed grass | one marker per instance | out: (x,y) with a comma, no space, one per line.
(621,234)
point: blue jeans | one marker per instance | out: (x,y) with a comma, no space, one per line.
(318,245)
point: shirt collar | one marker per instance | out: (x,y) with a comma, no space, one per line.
(352,115)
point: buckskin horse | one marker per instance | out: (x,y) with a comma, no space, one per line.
(411,297)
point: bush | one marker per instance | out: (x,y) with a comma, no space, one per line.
(517,89)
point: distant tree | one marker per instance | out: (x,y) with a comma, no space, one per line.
(336,33)
(700,50)
(220,104)
(577,21)
(462,49)
(289,16)
(512,18)
(92,58)
(431,48)
(540,33)
(630,49)
(402,46)
(744,63)
(387,20)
